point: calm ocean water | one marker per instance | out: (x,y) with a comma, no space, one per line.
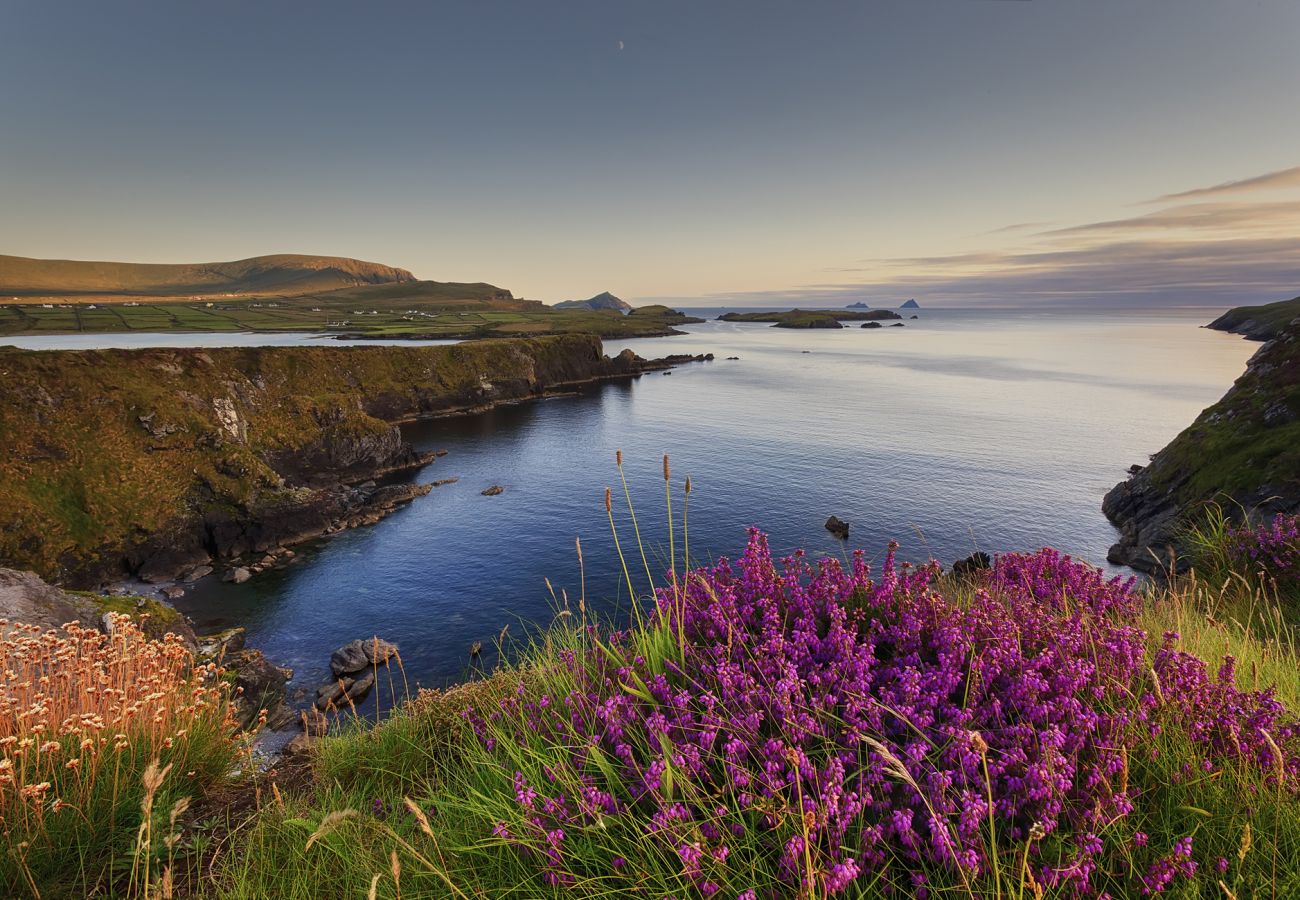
(962,431)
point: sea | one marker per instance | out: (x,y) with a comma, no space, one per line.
(963,430)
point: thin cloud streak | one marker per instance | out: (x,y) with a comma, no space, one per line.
(1128,274)
(1206,253)
(1283,178)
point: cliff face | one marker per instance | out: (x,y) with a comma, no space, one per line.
(1244,450)
(149,462)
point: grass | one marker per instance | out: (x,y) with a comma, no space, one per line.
(413,309)
(428,804)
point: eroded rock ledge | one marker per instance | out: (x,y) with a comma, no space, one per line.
(152,462)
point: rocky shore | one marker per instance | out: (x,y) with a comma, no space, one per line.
(156,464)
(1243,452)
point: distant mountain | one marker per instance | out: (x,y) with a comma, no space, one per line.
(858,305)
(604,300)
(910,304)
(280,275)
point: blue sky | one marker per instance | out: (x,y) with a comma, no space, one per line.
(961,151)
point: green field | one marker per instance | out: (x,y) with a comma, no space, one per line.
(421,309)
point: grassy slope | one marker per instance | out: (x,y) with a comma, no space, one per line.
(427,752)
(278,274)
(1259,322)
(83,476)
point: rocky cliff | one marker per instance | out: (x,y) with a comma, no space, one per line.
(149,463)
(1243,452)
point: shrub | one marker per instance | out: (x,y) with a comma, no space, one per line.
(805,729)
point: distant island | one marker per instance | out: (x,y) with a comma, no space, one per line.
(809,318)
(858,305)
(603,300)
(910,304)
(345,298)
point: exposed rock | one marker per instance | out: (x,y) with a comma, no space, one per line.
(196,573)
(896,325)
(442,481)
(221,644)
(872,325)
(239,575)
(977,562)
(173,592)
(492,491)
(300,746)
(361,686)
(838,527)
(360,654)
(25,598)
(259,684)
(331,692)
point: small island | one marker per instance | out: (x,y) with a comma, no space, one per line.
(810,318)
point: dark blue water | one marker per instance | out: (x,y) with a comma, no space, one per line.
(961,431)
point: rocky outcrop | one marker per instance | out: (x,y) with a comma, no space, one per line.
(154,463)
(838,527)
(25,598)
(1259,323)
(1243,453)
(603,300)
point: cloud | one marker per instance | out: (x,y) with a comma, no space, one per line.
(1133,273)
(1202,253)
(1283,178)
(1019,226)
(1226,217)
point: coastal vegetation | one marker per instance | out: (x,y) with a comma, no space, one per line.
(1242,453)
(339,297)
(784,727)
(194,456)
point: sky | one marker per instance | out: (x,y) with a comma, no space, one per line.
(963,152)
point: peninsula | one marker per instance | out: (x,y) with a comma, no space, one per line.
(334,296)
(1243,452)
(192,457)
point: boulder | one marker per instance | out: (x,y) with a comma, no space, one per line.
(260,684)
(300,746)
(361,686)
(976,562)
(25,598)
(239,575)
(360,654)
(838,527)
(173,592)
(493,490)
(872,325)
